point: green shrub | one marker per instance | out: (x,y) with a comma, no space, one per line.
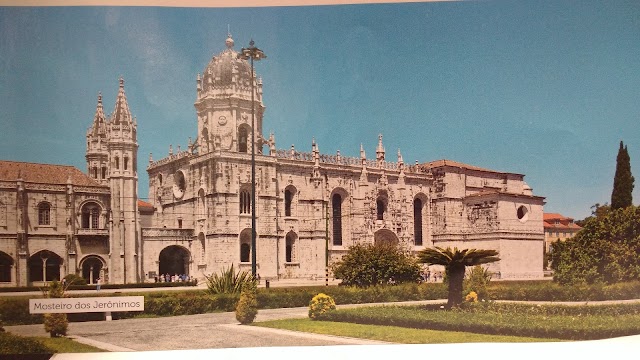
(73,279)
(56,324)
(11,344)
(367,265)
(228,282)
(321,304)
(477,281)
(247,307)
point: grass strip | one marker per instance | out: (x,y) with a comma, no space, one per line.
(392,334)
(518,321)
(66,345)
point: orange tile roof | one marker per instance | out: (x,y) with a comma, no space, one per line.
(553,216)
(143,205)
(445,162)
(566,223)
(44,173)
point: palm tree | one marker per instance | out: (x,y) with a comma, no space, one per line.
(455,261)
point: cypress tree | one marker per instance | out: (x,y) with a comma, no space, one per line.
(623,181)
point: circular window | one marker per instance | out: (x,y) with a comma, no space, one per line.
(523,213)
(179,184)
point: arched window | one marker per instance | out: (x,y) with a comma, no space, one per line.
(201,204)
(117,163)
(90,216)
(126,163)
(288,199)
(6,265)
(95,172)
(245,202)
(245,252)
(336,203)
(44,214)
(104,172)
(242,140)
(381,208)
(417,221)
(44,266)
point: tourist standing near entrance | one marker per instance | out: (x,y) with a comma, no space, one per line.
(98,284)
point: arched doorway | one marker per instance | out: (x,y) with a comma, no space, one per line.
(174,260)
(385,237)
(6,266)
(44,266)
(91,267)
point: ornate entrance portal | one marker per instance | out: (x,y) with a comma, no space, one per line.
(174,260)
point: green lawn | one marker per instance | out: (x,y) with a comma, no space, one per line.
(392,334)
(66,345)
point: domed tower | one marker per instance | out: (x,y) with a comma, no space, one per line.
(223,104)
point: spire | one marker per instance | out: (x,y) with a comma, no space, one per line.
(121,113)
(380,150)
(99,118)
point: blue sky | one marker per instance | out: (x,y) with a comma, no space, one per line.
(546,88)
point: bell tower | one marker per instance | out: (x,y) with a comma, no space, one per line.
(122,149)
(223,104)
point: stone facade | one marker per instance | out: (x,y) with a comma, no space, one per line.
(53,221)
(309,204)
(310,207)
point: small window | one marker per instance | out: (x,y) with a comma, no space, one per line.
(117,163)
(126,163)
(245,252)
(288,197)
(245,202)
(380,209)
(290,247)
(44,214)
(417,222)
(242,140)
(104,172)
(336,204)
(179,223)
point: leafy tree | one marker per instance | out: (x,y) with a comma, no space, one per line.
(370,265)
(455,262)
(621,196)
(605,250)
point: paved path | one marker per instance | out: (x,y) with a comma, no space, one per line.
(202,331)
(207,331)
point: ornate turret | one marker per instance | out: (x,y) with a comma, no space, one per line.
(224,102)
(97,155)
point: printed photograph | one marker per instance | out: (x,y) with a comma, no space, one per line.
(307,175)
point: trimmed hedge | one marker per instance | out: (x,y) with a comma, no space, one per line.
(550,291)
(15,311)
(550,322)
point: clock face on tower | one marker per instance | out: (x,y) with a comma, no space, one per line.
(222,120)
